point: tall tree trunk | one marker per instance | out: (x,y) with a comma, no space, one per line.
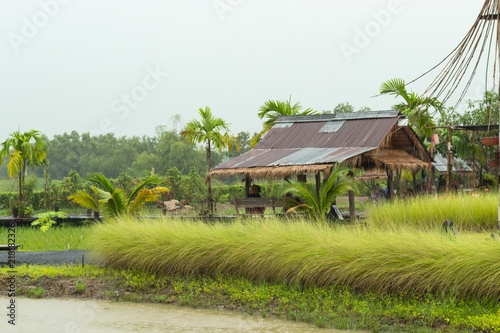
(209,160)
(46,183)
(20,186)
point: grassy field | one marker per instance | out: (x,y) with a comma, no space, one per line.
(10,185)
(429,212)
(300,253)
(55,239)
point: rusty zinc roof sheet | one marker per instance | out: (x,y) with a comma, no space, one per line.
(288,157)
(319,139)
(352,133)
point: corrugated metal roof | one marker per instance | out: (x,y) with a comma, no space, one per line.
(368,132)
(288,157)
(457,164)
(338,116)
(317,139)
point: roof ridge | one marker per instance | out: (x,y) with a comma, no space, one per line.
(338,116)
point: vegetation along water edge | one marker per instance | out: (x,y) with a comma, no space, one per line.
(336,306)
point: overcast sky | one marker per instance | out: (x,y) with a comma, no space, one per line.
(127,66)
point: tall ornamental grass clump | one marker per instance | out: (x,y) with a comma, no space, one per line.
(429,212)
(397,260)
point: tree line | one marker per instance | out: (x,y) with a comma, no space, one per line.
(135,156)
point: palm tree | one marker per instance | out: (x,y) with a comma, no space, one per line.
(316,203)
(114,202)
(213,132)
(24,150)
(271,110)
(415,107)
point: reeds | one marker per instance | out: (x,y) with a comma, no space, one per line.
(300,253)
(429,212)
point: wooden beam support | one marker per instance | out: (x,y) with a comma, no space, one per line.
(247,185)
(318,182)
(352,206)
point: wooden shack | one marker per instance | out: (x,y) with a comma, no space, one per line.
(312,144)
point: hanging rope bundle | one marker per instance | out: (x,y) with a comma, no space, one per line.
(459,68)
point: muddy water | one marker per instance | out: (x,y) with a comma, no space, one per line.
(82,316)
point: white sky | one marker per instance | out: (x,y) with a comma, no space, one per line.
(73,68)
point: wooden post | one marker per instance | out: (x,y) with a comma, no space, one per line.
(390,185)
(352,206)
(433,179)
(448,171)
(318,182)
(247,185)
(414,175)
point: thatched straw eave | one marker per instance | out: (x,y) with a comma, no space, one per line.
(393,160)
(271,172)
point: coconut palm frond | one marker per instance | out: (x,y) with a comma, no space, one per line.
(143,196)
(317,203)
(15,163)
(149,180)
(85,200)
(23,150)
(101,181)
(272,109)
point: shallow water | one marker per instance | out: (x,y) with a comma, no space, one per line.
(82,316)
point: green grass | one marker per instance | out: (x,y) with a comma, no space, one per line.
(10,185)
(300,253)
(338,307)
(55,239)
(429,212)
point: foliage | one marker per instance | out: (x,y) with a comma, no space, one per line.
(36,292)
(346,108)
(46,220)
(300,253)
(23,207)
(484,111)
(339,307)
(317,204)
(243,143)
(23,150)
(229,191)
(272,109)
(415,107)
(80,287)
(212,131)
(429,212)
(112,156)
(113,202)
